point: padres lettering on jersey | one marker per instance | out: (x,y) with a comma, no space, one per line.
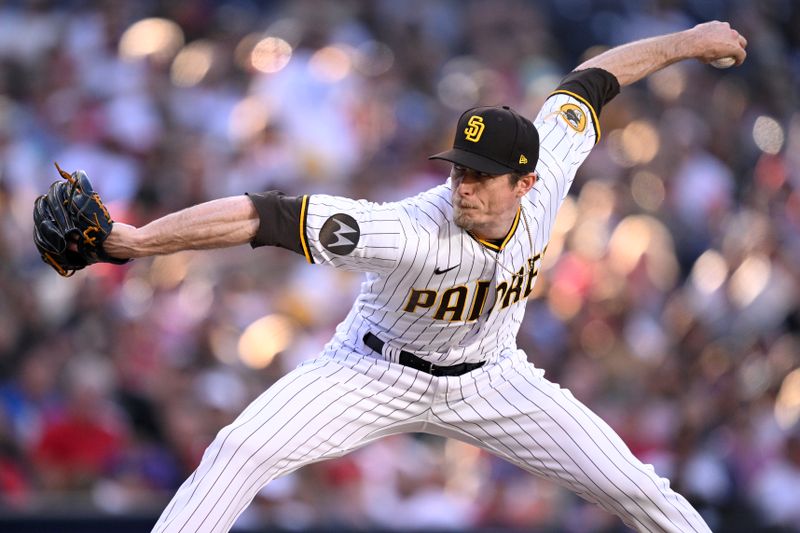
(452,303)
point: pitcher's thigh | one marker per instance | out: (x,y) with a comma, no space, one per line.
(542,428)
(315,412)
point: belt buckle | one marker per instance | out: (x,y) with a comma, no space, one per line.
(430,368)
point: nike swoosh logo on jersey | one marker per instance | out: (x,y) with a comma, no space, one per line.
(437,270)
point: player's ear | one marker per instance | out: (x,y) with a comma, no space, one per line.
(526,183)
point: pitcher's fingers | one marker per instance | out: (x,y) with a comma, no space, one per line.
(742,40)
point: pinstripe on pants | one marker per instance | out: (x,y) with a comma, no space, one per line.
(326,408)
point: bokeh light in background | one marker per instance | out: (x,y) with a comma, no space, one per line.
(787,405)
(635,144)
(709,272)
(639,237)
(596,200)
(331,63)
(648,190)
(669,83)
(749,280)
(248,118)
(768,134)
(270,55)
(192,63)
(168,271)
(154,37)
(262,340)
(640,140)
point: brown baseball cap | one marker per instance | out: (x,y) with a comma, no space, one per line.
(494,140)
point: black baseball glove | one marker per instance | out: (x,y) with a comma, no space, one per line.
(70,224)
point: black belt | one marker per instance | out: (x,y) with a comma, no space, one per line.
(411,360)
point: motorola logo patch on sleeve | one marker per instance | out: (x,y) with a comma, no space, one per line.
(340,234)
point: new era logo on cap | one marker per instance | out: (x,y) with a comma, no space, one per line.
(494,140)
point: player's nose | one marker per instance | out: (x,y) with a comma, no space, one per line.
(465,186)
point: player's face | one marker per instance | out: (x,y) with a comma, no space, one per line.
(486,204)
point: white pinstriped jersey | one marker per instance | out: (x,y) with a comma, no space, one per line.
(432,288)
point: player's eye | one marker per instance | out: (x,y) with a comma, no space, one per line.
(459,172)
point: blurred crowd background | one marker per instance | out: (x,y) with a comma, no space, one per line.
(668,302)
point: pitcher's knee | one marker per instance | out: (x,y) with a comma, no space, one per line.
(248,449)
(644,500)
(647,489)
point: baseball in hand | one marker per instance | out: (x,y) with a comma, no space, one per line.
(723,62)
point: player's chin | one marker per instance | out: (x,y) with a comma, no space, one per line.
(464,219)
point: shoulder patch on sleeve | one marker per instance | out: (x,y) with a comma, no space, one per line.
(574,116)
(340,234)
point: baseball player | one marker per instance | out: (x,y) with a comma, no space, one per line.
(429,344)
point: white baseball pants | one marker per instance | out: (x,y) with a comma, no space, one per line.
(328,407)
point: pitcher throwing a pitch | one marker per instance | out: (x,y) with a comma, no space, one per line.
(429,344)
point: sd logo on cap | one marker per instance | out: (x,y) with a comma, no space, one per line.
(494,140)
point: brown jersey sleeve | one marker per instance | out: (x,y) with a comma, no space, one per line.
(282,221)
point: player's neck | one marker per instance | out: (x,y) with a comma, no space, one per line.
(498,229)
